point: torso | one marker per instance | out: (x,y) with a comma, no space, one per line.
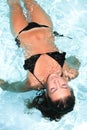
(38,41)
(44,66)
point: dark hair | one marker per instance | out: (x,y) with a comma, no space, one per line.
(52,110)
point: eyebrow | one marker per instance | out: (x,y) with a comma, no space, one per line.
(64,85)
(61,87)
(54,90)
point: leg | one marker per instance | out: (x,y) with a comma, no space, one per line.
(37,13)
(18,20)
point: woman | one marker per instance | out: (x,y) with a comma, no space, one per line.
(47,69)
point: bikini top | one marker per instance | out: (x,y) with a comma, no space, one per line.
(30,62)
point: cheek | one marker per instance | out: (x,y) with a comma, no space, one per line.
(49,85)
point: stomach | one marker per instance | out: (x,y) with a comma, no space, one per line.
(37,40)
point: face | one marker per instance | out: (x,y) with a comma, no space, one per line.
(57,87)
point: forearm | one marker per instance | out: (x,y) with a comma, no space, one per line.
(15,87)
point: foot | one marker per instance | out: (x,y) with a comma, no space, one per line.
(2,82)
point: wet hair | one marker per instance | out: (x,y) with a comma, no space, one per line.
(52,110)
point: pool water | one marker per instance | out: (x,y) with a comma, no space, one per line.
(69,18)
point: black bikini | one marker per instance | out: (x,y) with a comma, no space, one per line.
(30,62)
(28,27)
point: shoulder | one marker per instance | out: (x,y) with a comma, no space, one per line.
(32,83)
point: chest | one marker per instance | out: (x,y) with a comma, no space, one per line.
(44,66)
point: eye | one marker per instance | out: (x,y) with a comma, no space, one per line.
(64,86)
(53,90)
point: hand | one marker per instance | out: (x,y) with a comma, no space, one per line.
(2,82)
(70,73)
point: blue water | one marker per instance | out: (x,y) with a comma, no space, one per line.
(69,18)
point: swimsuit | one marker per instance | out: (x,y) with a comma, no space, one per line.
(30,62)
(28,27)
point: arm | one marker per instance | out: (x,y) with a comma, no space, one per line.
(14,87)
(69,73)
(71,67)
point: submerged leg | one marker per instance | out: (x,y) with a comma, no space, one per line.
(18,20)
(37,13)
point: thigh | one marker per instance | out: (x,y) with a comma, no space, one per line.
(37,13)
(17,18)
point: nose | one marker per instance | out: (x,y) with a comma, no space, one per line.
(62,83)
(55,86)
